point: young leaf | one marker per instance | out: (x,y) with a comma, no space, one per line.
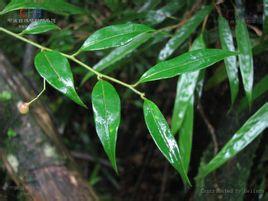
(113,36)
(184,32)
(55,69)
(163,137)
(55,6)
(227,43)
(186,134)
(118,54)
(38,27)
(187,62)
(185,90)
(245,56)
(244,136)
(106,107)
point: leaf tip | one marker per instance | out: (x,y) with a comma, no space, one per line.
(115,167)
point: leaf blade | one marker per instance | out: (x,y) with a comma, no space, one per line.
(227,43)
(106,108)
(55,69)
(245,56)
(186,135)
(252,128)
(187,62)
(38,27)
(55,6)
(113,36)
(163,137)
(185,90)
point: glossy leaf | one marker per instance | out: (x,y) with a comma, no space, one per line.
(55,6)
(185,90)
(245,56)
(55,69)
(114,36)
(163,138)
(106,107)
(184,32)
(187,62)
(157,16)
(186,135)
(118,54)
(244,136)
(227,43)
(38,27)
(259,89)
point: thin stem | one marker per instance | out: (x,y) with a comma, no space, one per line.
(72,57)
(43,90)
(100,75)
(76,53)
(204,23)
(23,39)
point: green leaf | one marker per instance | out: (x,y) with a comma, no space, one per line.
(183,112)
(163,137)
(106,107)
(187,62)
(227,43)
(55,69)
(245,56)
(184,32)
(114,36)
(185,90)
(38,27)
(244,136)
(118,54)
(55,6)
(186,135)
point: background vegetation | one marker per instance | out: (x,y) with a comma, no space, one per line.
(218,115)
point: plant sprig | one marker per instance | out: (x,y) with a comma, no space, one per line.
(72,58)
